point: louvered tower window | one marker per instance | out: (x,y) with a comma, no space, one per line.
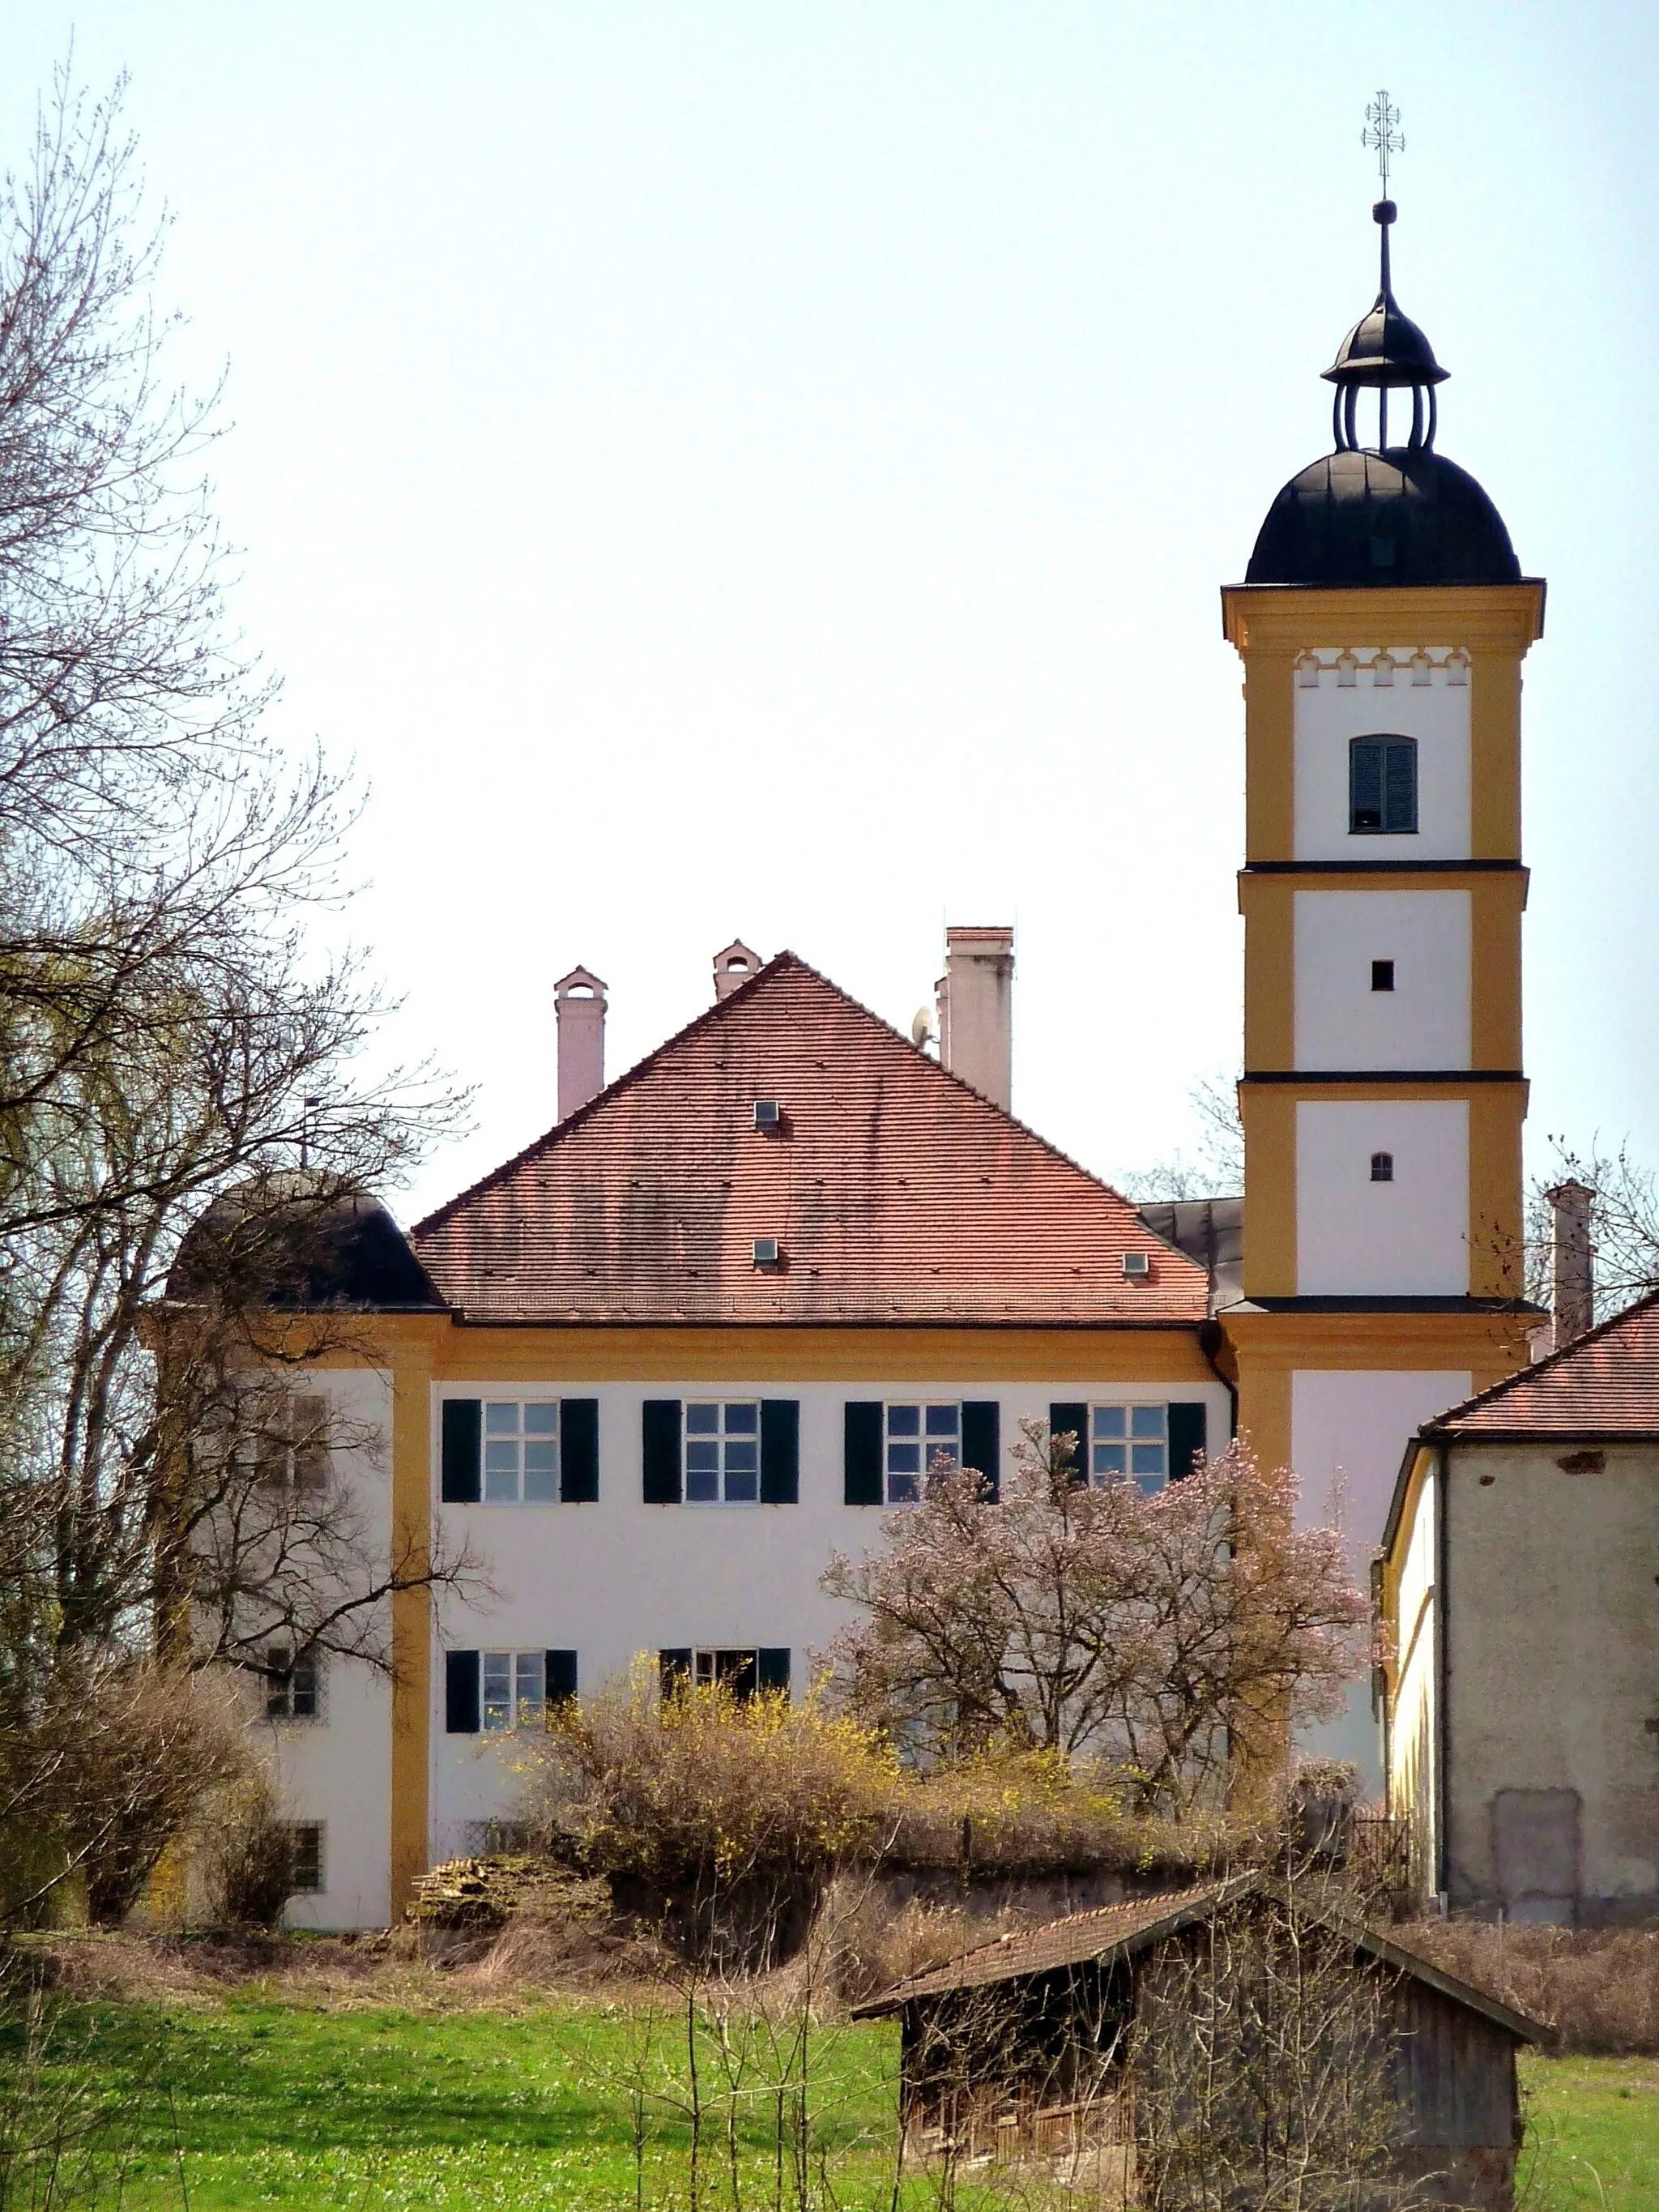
(1382,787)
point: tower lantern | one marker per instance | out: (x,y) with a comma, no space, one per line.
(1382,622)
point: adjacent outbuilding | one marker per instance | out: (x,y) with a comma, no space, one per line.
(1247,2024)
(1520,1581)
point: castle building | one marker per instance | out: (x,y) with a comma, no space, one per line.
(653,1371)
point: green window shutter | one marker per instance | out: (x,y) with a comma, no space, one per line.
(578,1451)
(1365,784)
(1188,1427)
(673,1668)
(779,1478)
(560,1677)
(660,1451)
(1070,1421)
(982,1449)
(1400,785)
(863,1453)
(774,1668)
(461,1692)
(462,1419)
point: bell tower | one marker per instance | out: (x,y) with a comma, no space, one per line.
(1382,623)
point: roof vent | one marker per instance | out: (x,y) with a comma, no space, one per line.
(1137,1266)
(766,1251)
(769,1114)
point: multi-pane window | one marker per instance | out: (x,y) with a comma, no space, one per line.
(293,1686)
(1381,1167)
(513,1689)
(306,1843)
(521,1451)
(722,1452)
(737,1670)
(1382,786)
(1129,1442)
(290,1449)
(919,1436)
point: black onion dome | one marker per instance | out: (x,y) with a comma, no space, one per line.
(298,1240)
(1408,516)
(1385,347)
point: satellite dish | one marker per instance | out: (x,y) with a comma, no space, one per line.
(921,1028)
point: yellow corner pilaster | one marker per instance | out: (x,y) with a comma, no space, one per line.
(411,1610)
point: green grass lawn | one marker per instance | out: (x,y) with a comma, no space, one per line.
(1595,2128)
(261,2103)
(258,2101)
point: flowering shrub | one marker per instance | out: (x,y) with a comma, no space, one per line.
(699,1788)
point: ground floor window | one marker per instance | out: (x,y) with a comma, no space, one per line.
(513,1684)
(305,1841)
(737,1668)
(1129,1442)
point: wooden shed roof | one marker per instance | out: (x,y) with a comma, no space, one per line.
(1122,1931)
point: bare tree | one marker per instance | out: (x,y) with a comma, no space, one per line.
(1174,1634)
(170,1039)
(1264,2057)
(1217,1168)
(1624,1222)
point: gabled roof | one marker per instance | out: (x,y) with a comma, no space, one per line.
(896,1194)
(1122,1931)
(1604,1385)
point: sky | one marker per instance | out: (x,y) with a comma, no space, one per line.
(768,470)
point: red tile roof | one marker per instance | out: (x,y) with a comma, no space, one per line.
(895,1192)
(1605,1384)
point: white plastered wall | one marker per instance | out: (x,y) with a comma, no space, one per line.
(1552,1644)
(1405,1238)
(1341,695)
(1423,1021)
(619,1577)
(336,1768)
(1349,1429)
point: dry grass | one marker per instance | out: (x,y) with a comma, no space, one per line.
(867,1946)
(1597,1989)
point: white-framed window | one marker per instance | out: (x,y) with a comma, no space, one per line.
(521,1451)
(294,1687)
(309,1862)
(722,1451)
(918,1436)
(290,1444)
(513,1690)
(735,1667)
(1129,1443)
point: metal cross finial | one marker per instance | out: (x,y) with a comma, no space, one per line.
(1382,132)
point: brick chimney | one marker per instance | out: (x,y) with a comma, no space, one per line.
(1574,1295)
(579,1004)
(976,1010)
(735,965)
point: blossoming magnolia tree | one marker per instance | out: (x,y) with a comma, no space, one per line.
(1179,1637)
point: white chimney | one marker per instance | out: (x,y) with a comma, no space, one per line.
(976,1010)
(578,1009)
(1575,1268)
(734,966)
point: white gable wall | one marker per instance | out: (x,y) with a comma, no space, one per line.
(618,1577)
